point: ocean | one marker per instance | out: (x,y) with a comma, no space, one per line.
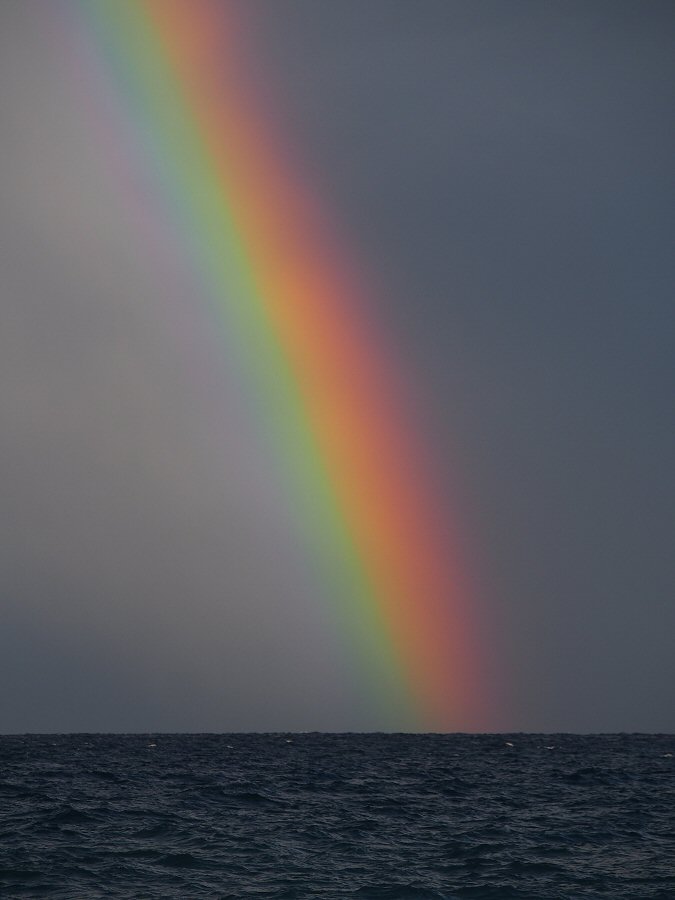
(373,816)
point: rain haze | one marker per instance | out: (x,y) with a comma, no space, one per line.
(503,174)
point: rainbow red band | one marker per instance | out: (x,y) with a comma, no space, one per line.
(333,397)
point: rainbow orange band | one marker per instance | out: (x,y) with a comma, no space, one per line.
(332,398)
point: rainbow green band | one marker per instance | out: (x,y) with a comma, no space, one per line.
(330,400)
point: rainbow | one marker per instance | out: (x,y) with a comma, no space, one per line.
(335,404)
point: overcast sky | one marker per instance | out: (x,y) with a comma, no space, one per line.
(503,171)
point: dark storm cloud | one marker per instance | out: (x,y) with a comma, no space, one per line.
(506,171)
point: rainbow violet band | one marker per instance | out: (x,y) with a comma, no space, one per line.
(334,401)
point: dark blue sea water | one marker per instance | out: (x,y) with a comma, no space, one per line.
(380,817)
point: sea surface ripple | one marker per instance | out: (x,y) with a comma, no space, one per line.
(379,816)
